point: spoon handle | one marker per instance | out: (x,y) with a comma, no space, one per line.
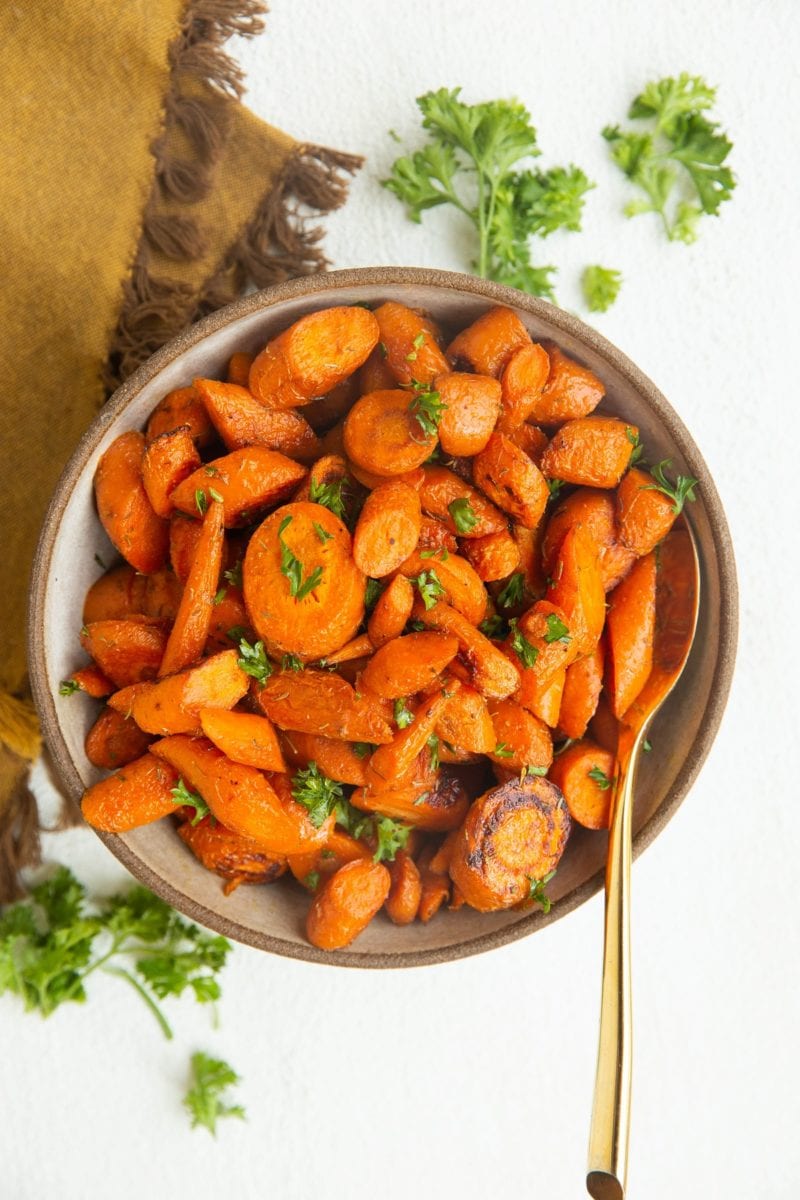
(611,1112)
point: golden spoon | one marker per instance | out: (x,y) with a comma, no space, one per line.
(677,598)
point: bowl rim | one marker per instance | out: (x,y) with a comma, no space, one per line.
(320,285)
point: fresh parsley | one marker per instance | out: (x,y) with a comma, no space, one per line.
(329,495)
(529,770)
(492,627)
(443,554)
(219,596)
(536,891)
(557,631)
(417,344)
(514,591)
(638,448)
(463,515)
(215,495)
(679,161)
(206,1100)
(374,590)
(362,749)
(472,161)
(554,486)
(600,287)
(322,534)
(316,792)
(525,652)
(427,407)
(433,746)
(290,662)
(403,716)
(253,659)
(503,750)
(391,836)
(678,492)
(312,880)
(68,687)
(183,797)
(429,586)
(234,575)
(292,568)
(600,778)
(351,819)
(201,501)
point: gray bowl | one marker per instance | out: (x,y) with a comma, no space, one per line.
(271,918)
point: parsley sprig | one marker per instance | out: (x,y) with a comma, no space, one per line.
(556,631)
(600,778)
(183,797)
(536,891)
(463,515)
(292,568)
(253,659)
(329,495)
(678,492)
(429,586)
(524,650)
(600,287)
(513,593)
(391,836)
(403,716)
(427,406)
(316,792)
(206,1100)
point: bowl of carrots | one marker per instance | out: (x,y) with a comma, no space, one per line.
(339,601)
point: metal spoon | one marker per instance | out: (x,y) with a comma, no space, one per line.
(677,599)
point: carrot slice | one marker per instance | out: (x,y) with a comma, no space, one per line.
(323,703)
(243,737)
(241,421)
(93,681)
(442,488)
(543,699)
(181,407)
(631,628)
(245,482)
(523,740)
(173,704)
(313,355)
(336,759)
(645,515)
(392,761)
(585,774)
(472,406)
(593,508)
(488,343)
(408,664)
(190,631)
(577,588)
(451,578)
(405,892)
(139,793)
(114,740)
(409,343)
(511,481)
(594,451)
(492,673)
(344,907)
(235,858)
(435,809)
(571,390)
(582,687)
(524,377)
(495,556)
(382,434)
(126,651)
(123,507)
(466,722)
(166,462)
(239,365)
(388,529)
(391,612)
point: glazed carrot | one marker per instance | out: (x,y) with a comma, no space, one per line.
(543,700)
(248,481)
(529,544)
(235,858)
(435,809)
(466,722)
(523,380)
(492,673)
(376,375)
(392,761)
(181,407)
(383,435)
(173,704)
(582,687)
(511,480)
(604,727)
(122,701)
(313,355)
(405,892)
(585,774)
(93,681)
(494,556)
(571,391)
(488,343)
(326,411)
(344,907)
(332,442)
(243,737)
(408,664)
(523,740)
(472,408)
(387,530)
(114,740)
(238,371)
(434,889)
(326,860)
(331,469)
(369,479)
(158,595)
(593,508)
(304,593)
(190,631)
(321,702)
(241,421)
(594,451)
(111,597)
(577,588)
(513,834)
(409,342)
(228,612)
(123,507)
(631,626)
(166,462)
(644,514)
(336,759)
(125,651)
(139,793)
(530,438)
(241,797)
(359,647)
(184,534)
(542,643)
(450,578)
(391,612)
(442,489)
(434,535)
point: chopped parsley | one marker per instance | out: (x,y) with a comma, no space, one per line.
(426,405)
(600,287)
(403,716)
(322,534)
(206,1100)
(329,495)
(600,778)
(514,591)
(463,515)
(68,687)
(429,586)
(557,631)
(253,659)
(391,836)
(678,492)
(184,798)
(316,792)
(292,568)
(536,891)
(525,652)
(503,750)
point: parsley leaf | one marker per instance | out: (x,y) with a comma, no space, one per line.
(492,627)
(234,575)
(600,287)
(472,161)
(678,492)
(68,687)
(403,715)
(557,631)
(536,891)
(351,819)
(292,568)
(329,495)
(503,750)
(433,745)
(463,515)
(427,407)
(429,586)
(322,534)
(638,448)
(679,163)
(554,486)
(524,650)
(182,796)
(514,591)
(205,1100)
(201,500)
(391,836)
(362,749)
(219,596)
(312,880)
(600,778)
(316,792)
(290,662)
(253,659)
(374,590)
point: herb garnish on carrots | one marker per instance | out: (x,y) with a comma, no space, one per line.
(292,568)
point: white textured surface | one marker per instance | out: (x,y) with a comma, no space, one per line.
(475,1079)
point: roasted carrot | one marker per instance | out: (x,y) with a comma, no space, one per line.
(466,722)
(408,664)
(391,612)
(523,380)
(115,740)
(192,624)
(529,544)
(241,421)
(405,892)
(571,390)
(434,887)
(409,343)
(585,774)
(360,647)
(451,578)
(235,858)
(111,597)
(126,651)
(388,529)
(594,509)
(382,434)
(492,673)
(93,681)
(434,535)
(245,482)
(125,511)
(166,462)
(393,760)
(323,703)
(228,613)
(344,907)
(326,860)
(443,493)
(238,371)
(488,343)
(511,481)
(523,740)
(243,737)
(336,759)
(577,588)
(435,809)
(370,480)
(313,355)
(180,408)
(593,451)
(543,699)
(513,835)
(495,556)
(644,514)
(631,626)
(542,642)
(173,705)
(472,406)
(376,375)
(139,793)
(530,438)
(582,687)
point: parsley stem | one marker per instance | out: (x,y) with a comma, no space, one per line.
(149,1001)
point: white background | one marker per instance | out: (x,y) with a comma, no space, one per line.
(475,1079)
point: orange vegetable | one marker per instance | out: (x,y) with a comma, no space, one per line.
(434,535)
(523,740)
(304,593)
(241,421)
(513,834)
(543,699)
(408,664)
(529,544)
(644,514)
(462,585)
(344,907)
(392,761)
(243,737)
(466,723)
(594,509)
(409,341)
(491,671)
(321,702)
(571,391)
(336,759)
(93,681)
(631,627)
(604,727)
(442,487)
(577,588)
(126,651)
(530,438)
(241,797)
(472,408)
(582,687)
(387,530)
(552,643)
(173,704)
(434,889)
(523,379)
(166,462)
(594,451)
(237,859)
(330,469)
(227,612)
(192,624)
(248,481)
(382,434)
(434,809)
(488,343)
(370,480)
(139,793)
(511,481)
(326,411)
(181,407)
(405,892)
(584,773)
(326,860)
(360,647)
(239,365)
(313,355)
(111,597)
(376,375)
(123,507)
(114,740)
(391,612)
(494,556)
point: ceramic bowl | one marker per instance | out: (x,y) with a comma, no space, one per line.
(271,918)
